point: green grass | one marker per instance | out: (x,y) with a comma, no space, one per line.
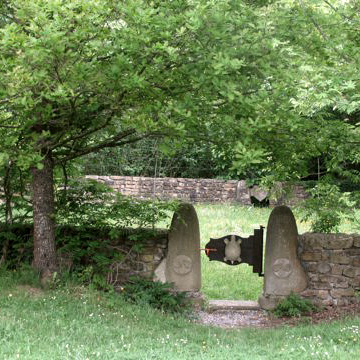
(78,323)
(221,281)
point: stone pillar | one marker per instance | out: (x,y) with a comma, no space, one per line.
(183,266)
(283,270)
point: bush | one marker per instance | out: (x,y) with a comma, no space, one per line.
(294,306)
(326,208)
(87,201)
(156,294)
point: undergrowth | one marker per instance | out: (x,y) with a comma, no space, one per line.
(294,306)
(156,294)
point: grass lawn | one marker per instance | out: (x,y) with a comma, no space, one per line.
(78,323)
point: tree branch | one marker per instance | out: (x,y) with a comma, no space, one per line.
(114,141)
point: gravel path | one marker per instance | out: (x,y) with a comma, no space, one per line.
(233,318)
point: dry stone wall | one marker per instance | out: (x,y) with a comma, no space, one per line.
(142,263)
(332,265)
(199,190)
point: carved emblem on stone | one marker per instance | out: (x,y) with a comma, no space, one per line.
(182,265)
(282,268)
(232,249)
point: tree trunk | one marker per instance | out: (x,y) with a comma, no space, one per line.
(43,217)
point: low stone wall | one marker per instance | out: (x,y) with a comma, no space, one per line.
(332,265)
(200,190)
(141,261)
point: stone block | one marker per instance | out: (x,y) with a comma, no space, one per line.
(356,240)
(342,285)
(310,241)
(157,258)
(311,256)
(338,257)
(310,266)
(341,302)
(336,241)
(356,261)
(355,282)
(321,285)
(337,269)
(334,280)
(350,271)
(147,258)
(353,252)
(321,294)
(313,276)
(323,267)
(323,302)
(150,267)
(338,293)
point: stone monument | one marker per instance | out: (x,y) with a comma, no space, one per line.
(183,267)
(283,271)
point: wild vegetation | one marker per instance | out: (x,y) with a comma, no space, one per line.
(262,90)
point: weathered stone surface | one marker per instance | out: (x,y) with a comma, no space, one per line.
(313,277)
(321,294)
(356,240)
(321,285)
(350,271)
(323,267)
(356,261)
(337,293)
(338,257)
(147,258)
(337,269)
(159,273)
(258,193)
(310,241)
(311,256)
(309,266)
(183,258)
(269,302)
(336,241)
(283,271)
(332,279)
(355,282)
(353,252)
(215,305)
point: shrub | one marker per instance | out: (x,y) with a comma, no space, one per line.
(326,207)
(156,294)
(293,305)
(86,202)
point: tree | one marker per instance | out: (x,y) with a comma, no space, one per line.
(80,76)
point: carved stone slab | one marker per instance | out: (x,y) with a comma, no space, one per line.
(183,258)
(283,270)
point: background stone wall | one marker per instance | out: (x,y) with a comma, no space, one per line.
(332,265)
(200,190)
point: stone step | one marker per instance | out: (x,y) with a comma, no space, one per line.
(215,305)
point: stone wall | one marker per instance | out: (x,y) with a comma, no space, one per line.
(140,262)
(199,190)
(332,265)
